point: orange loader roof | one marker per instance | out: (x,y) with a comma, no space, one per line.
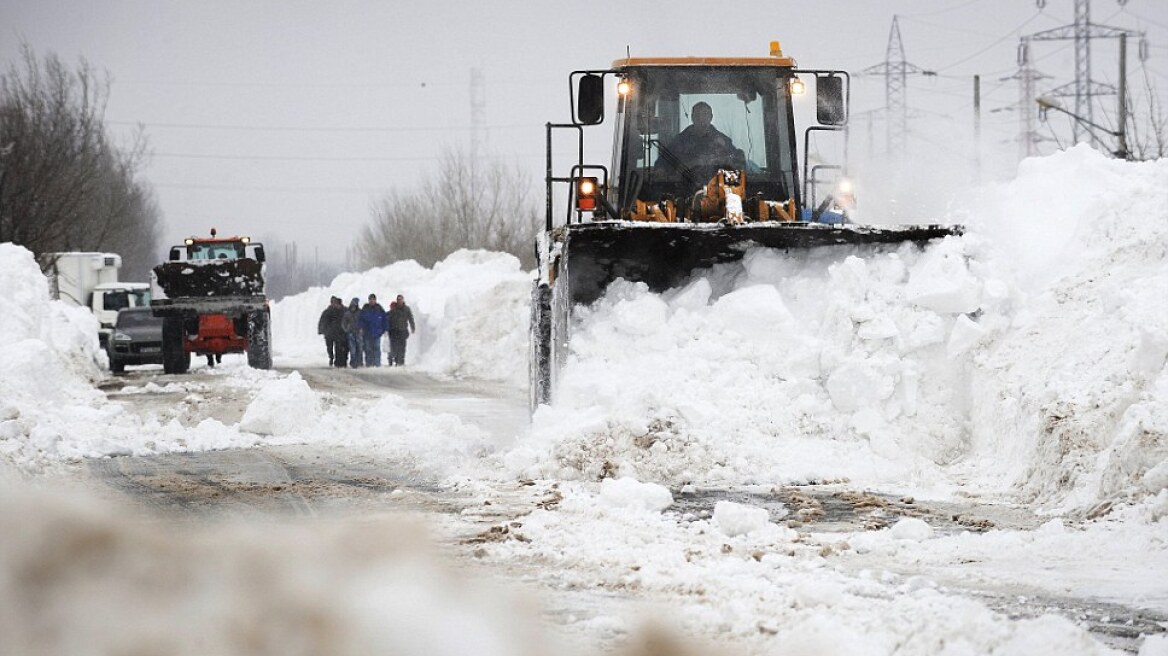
(633,62)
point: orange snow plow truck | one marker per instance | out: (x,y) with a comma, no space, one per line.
(210,296)
(706,164)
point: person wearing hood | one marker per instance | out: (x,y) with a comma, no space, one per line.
(329,326)
(372,322)
(353,333)
(401,324)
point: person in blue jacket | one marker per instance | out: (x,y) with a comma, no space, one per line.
(373,324)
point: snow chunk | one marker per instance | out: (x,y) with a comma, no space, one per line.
(738,519)
(282,407)
(911,528)
(632,494)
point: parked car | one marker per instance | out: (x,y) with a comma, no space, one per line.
(136,339)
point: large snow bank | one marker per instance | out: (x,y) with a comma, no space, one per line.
(1029,353)
(471,312)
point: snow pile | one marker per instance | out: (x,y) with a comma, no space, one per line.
(50,359)
(1075,396)
(1028,353)
(471,312)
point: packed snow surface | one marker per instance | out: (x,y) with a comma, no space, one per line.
(1023,362)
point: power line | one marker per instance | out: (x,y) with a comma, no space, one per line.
(312,158)
(277,128)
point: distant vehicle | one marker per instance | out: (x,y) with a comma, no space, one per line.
(136,339)
(210,295)
(91,280)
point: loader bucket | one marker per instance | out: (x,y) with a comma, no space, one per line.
(663,255)
(210,278)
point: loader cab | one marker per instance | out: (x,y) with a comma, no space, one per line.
(203,250)
(655,120)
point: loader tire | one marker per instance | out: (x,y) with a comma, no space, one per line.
(174,359)
(540,361)
(259,340)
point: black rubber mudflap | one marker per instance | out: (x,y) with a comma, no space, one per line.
(540,361)
(174,359)
(259,340)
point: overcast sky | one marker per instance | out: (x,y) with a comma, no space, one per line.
(282,118)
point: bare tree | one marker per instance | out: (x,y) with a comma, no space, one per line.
(63,185)
(1149,138)
(463,206)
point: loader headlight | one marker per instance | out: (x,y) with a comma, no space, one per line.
(797,87)
(844,186)
(586,190)
(624,87)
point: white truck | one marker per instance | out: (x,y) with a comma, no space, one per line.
(91,280)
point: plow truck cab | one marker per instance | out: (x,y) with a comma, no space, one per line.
(210,296)
(707,161)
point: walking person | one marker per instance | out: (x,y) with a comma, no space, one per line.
(353,333)
(401,325)
(372,321)
(329,326)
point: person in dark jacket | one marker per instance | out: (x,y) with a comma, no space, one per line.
(372,322)
(330,327)
(401,324)
(353,333)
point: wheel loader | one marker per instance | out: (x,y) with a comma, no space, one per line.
(210,296)
(705,165)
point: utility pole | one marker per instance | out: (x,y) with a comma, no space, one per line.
(896,70)
(1121,109)
(977,128)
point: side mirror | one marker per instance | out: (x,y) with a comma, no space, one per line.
(259,252)
(829,100)
(590,100)
(175,254)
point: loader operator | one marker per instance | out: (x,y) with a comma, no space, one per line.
(700,150)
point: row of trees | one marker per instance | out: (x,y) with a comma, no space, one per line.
(64,184)
(467,204)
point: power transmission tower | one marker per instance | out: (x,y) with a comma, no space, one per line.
(1027,76)
(1083,88)
(896,70)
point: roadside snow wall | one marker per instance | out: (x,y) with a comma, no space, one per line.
(1027,356)
(471,311)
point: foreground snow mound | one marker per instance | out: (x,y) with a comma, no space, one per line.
(83,578)
(471,312)
(1002,359)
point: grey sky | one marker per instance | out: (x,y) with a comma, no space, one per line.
(289,118)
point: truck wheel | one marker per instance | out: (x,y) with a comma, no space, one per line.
(259,340)
(540,361)
(174,359)
(117,366)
